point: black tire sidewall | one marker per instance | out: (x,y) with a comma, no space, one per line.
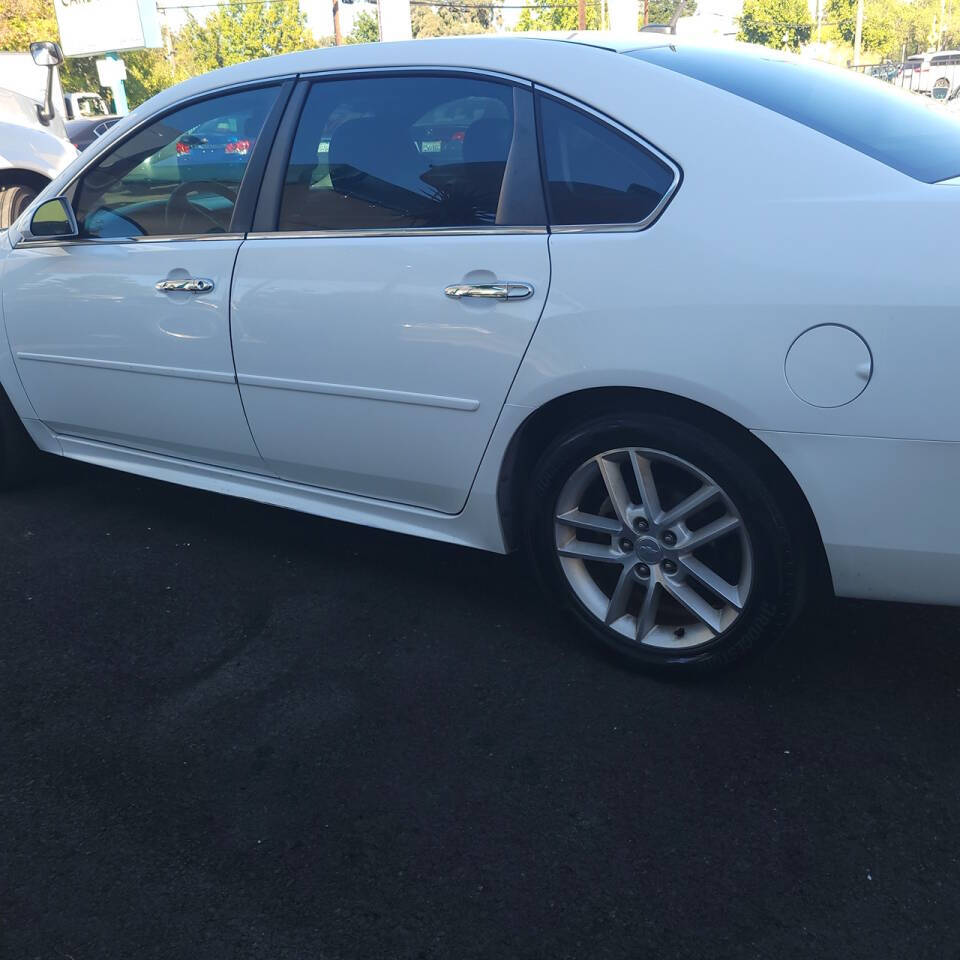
(774,596)
(14,199)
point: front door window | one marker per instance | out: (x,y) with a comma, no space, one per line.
(178,176)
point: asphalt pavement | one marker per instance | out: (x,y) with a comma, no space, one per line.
(231,731)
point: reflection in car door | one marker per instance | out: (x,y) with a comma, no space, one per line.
(381,310)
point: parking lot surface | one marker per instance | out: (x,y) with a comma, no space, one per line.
(231,731)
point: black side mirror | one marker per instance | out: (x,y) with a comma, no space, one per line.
(52,219)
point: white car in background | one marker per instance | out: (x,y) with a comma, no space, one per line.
(618,302)
(33,141)
(944,73)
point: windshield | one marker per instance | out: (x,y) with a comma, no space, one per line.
(902,130)
(91,106)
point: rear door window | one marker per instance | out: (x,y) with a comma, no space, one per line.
(409,152)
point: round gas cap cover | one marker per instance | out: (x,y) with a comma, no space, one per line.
(829,365)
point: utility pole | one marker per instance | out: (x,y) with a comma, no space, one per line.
(581,14)
(819,21)
(858,38)
(646,12)
(337,35)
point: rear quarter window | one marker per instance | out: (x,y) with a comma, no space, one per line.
(596,175)
(900,130)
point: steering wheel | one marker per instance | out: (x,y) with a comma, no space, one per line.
(178,207)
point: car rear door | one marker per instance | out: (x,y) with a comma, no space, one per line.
(396,273)
(122,335)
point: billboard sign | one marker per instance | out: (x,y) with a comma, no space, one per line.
(90,27)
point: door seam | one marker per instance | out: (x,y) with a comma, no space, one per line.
(233,358)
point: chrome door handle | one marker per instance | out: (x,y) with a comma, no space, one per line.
(490,291)
(190,285)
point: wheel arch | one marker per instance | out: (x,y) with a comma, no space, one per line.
(533,435)
(9,176)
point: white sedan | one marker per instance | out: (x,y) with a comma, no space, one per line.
(631,306)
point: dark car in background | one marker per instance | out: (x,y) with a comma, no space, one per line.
(84,131)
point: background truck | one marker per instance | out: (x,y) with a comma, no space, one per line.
(33,142)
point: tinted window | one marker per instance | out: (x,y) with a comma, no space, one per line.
(179,175)
(898,129)
(393,152)
(596,175)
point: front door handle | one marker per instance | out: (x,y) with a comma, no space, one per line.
(190,285)
(490,291)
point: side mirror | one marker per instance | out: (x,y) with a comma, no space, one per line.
(47,54)
(53,219)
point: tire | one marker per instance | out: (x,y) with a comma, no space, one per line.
(686,628)
(14,199)
(18,453)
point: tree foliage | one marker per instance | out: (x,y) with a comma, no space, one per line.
(891,27)
(550,15)
(662,11)
(365,29)
(445,21)
(782,24)
(23,21)
(235,33)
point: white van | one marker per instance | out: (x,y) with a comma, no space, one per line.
(33,142)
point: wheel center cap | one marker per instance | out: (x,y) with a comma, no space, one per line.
(648,550)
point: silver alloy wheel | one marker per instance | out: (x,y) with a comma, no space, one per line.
(666,565)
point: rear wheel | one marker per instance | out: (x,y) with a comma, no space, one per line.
(664,542)
(14,199)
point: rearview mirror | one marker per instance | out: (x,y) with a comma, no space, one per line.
(53,218)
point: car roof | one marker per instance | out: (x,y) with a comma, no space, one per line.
(515,51)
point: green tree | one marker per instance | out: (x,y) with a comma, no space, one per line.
(883,22)
(365,29)
(238,32)
(446,21)
(662,11)
(782,24)
(550,15)
(23,21)
(148,72)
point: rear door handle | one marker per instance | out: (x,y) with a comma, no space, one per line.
(190,285)
(490,291)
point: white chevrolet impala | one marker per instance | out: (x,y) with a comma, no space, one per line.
(643,309)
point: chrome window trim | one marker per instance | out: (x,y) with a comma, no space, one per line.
(397,232)
(434,69)
(634,226)
(158,238)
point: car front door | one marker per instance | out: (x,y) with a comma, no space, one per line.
(397,271)
(122,335)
